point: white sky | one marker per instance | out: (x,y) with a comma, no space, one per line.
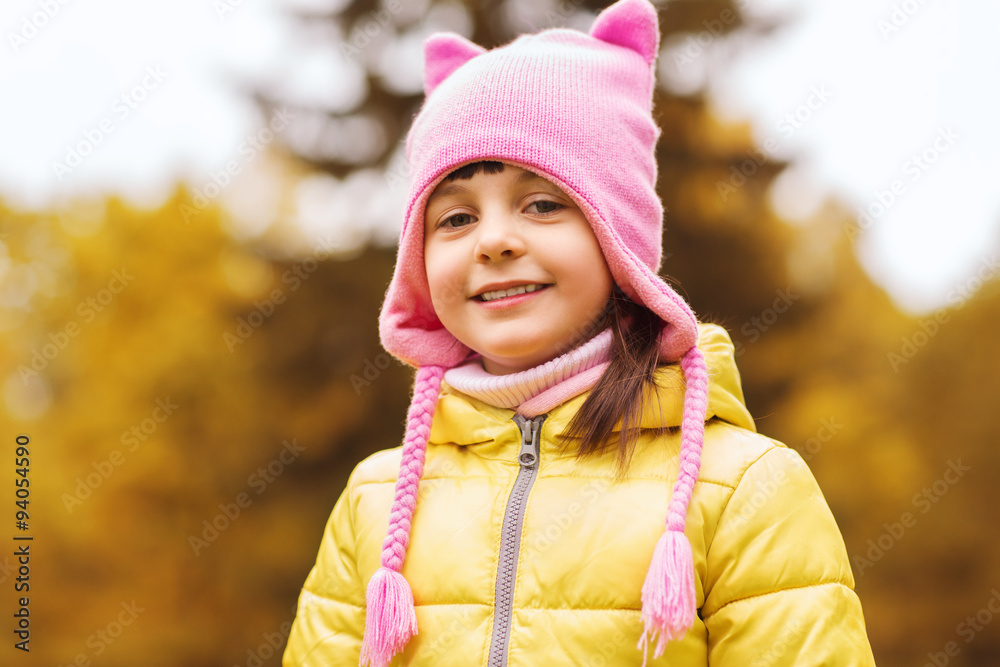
(890,92)
(898,73)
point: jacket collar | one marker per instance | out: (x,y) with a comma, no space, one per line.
(463,420)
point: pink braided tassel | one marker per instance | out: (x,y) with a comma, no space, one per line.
(668,604)
(668,593)
(391,619)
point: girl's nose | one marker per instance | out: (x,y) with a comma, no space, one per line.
(499,238)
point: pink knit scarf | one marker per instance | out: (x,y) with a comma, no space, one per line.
(537,390)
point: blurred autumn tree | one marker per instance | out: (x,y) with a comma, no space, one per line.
(196,402)
(191,429)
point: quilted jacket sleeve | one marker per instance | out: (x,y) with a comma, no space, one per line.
(779,588)
(329,621)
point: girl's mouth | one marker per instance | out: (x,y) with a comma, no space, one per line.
(511,296)
(494,295)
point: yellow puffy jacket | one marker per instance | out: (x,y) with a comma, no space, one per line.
(772,577)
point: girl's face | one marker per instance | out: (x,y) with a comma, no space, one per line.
(514,269)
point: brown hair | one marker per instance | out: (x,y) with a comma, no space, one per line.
(488,167)
(618,394)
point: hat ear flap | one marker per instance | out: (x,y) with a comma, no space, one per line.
(632,24)
(444,52)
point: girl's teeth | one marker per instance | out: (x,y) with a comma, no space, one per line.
(513,291)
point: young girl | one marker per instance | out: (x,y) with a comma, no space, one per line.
(580,481)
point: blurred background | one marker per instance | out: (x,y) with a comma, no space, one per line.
(199,203)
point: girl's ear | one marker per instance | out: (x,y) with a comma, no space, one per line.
(632,24)
(444,52)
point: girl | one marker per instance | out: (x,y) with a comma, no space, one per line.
(580,481)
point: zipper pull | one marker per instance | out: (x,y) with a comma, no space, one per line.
(528,457)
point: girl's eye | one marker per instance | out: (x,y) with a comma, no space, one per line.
(546,206)
(457,220)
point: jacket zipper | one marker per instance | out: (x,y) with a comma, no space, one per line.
(510,538)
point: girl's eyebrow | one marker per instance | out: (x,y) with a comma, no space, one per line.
(458,188)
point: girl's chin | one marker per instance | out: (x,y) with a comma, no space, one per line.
(501,369)
(505,365)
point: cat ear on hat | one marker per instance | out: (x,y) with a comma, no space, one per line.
(632,24)
(444,52)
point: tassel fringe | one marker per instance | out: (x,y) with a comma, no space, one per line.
(391,619)
(668,597)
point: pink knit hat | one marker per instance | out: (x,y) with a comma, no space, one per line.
(576,109)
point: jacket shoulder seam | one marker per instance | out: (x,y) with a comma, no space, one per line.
(818,584)
(770,444)
(423,478)
(739,480)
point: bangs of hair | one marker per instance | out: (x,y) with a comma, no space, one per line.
(489,167)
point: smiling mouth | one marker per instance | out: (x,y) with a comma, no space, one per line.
(493,295)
